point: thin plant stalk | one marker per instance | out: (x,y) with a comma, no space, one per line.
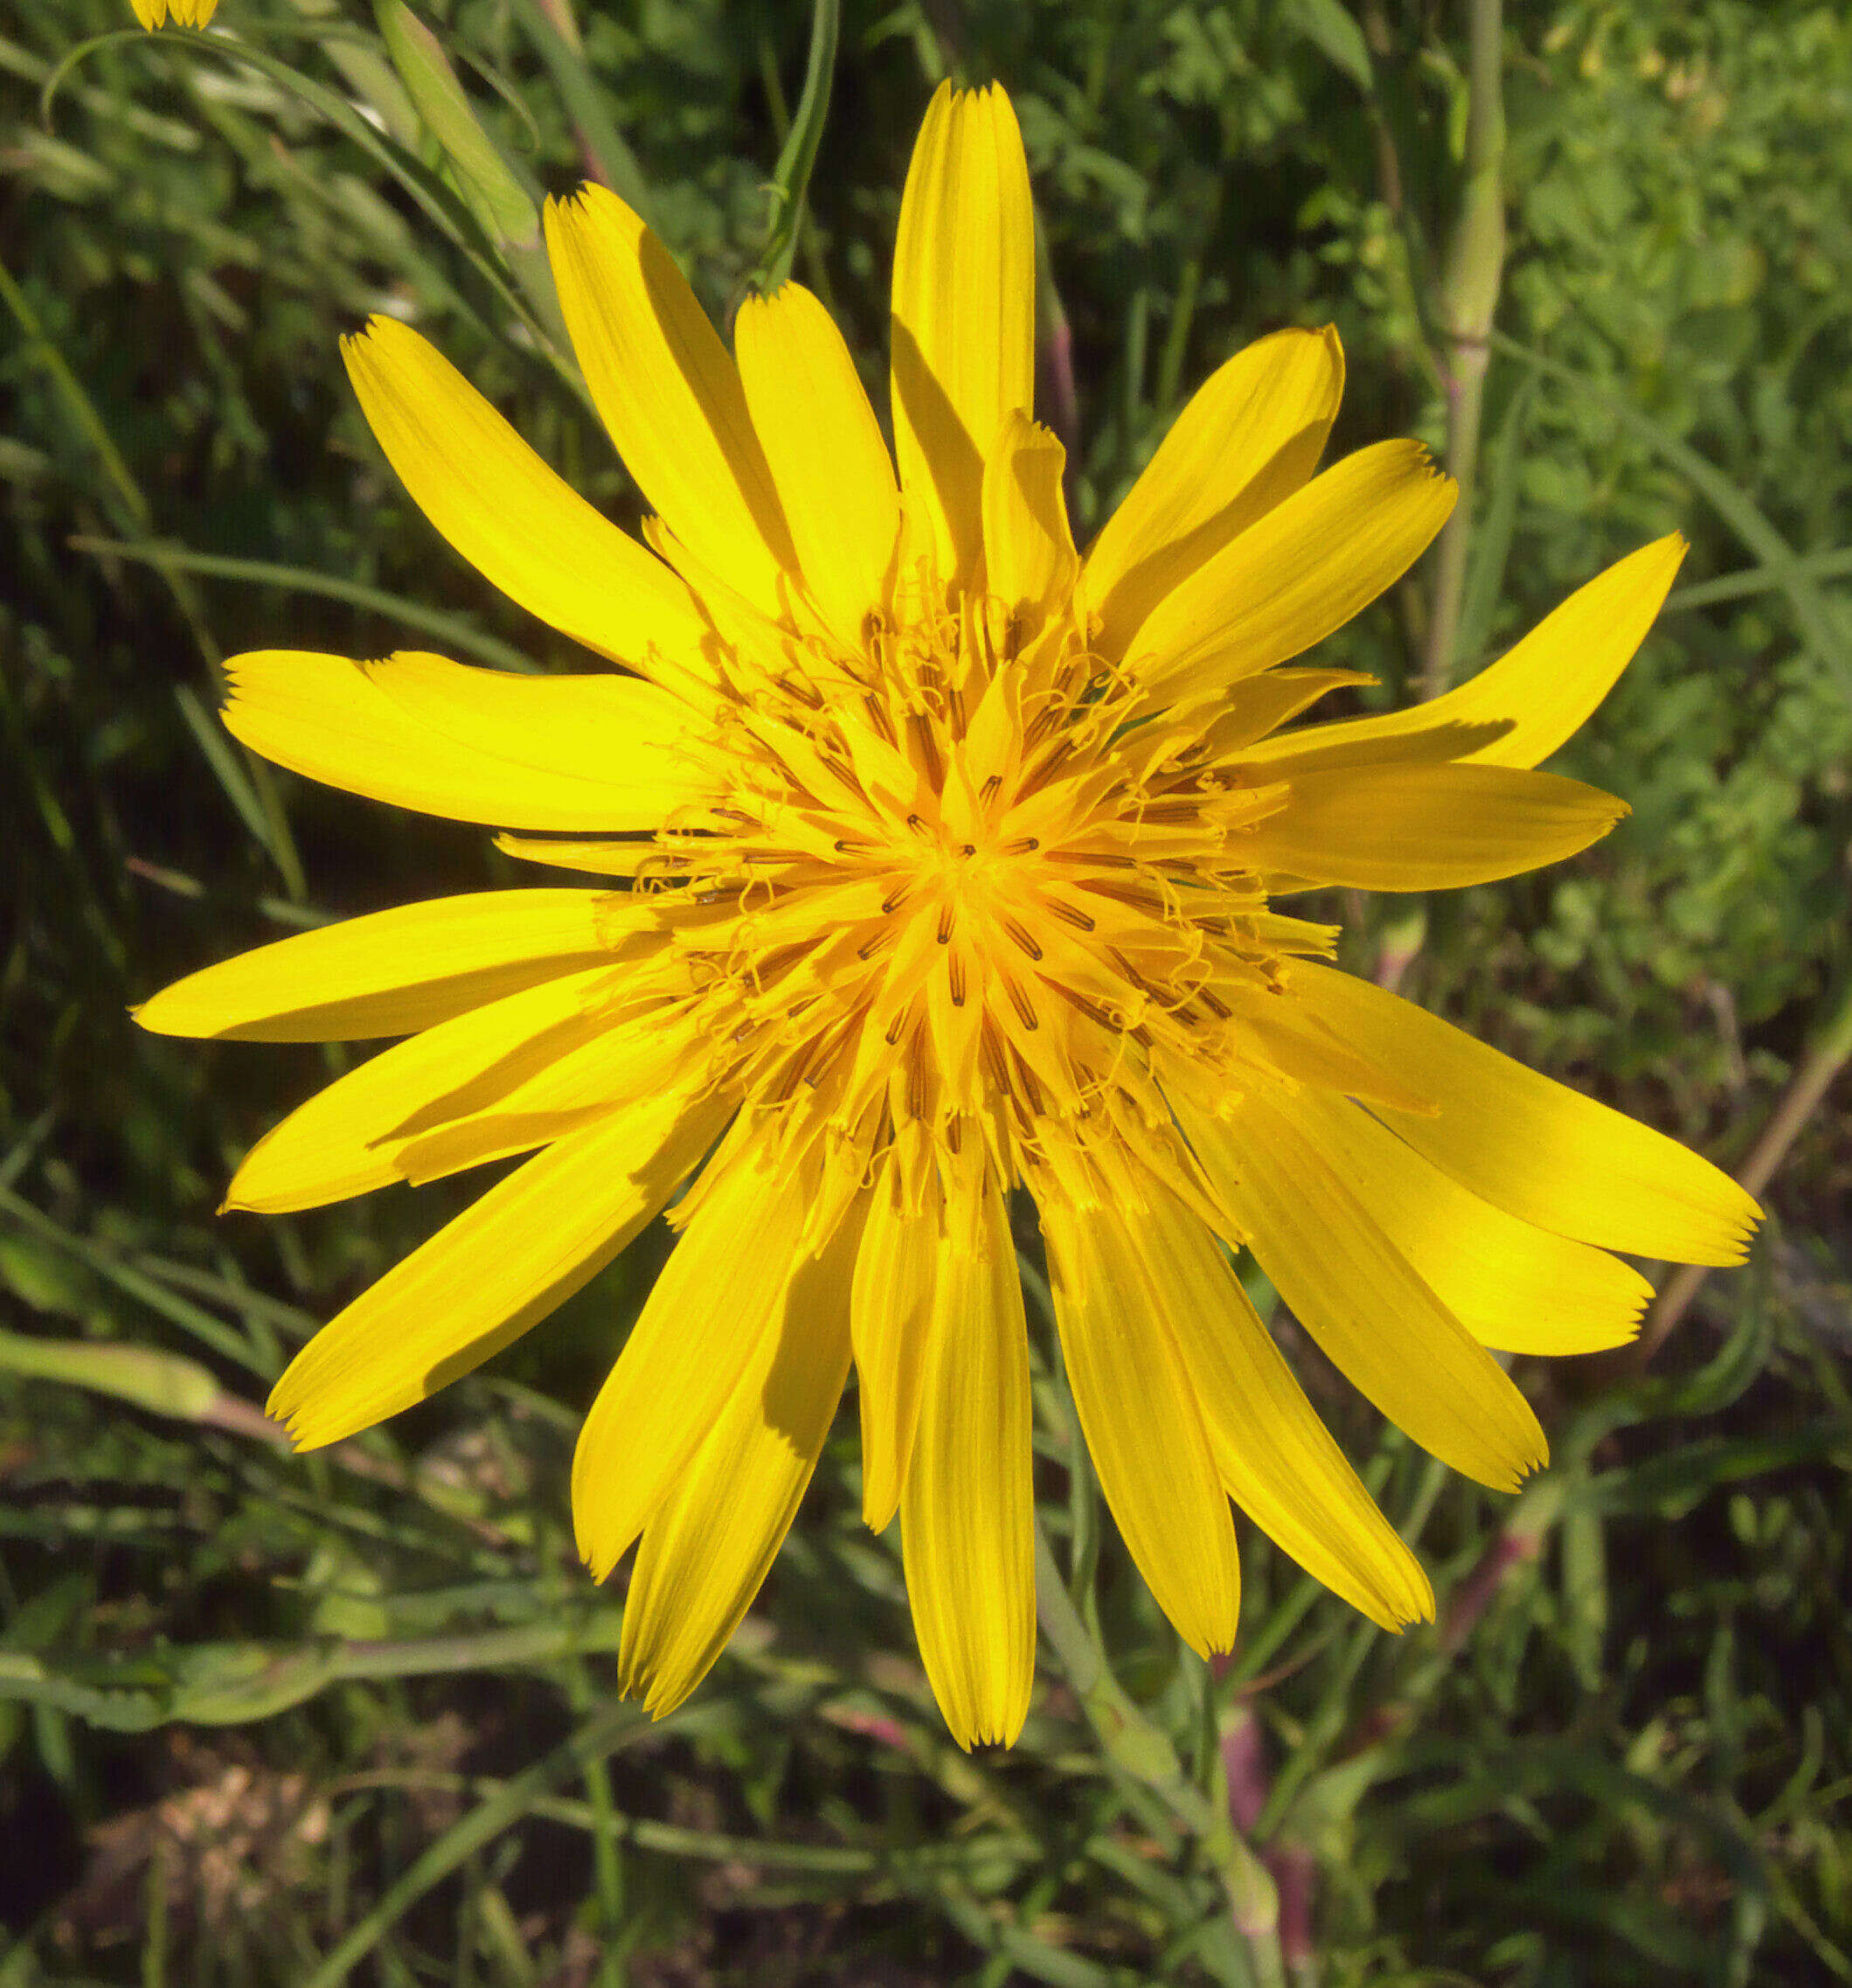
(1827,1054)
(1139,1749)
(791,178)
(1469,288)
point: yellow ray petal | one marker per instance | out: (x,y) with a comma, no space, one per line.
(668,391)
(1299,1047)
(891,1317)
(342,1141)
(501,1267)
(711,1543)
(717,1299)
(834,477)
(1392,827)
(585,752)
(1296,574)
(1255,705)
(1251,435)
(1534,1148)
(391,972)
(623,857)
(1379,1323)
(1530,701)
(1030,560)
(581,1071)
(963,335)
(1276,1458)
(1511,1284)
(1143,1427)
(967,1515)
(522,528)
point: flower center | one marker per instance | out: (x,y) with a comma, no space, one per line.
(967,896)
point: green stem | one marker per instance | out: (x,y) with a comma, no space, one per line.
(134,505)
(791,178)
(1758,580)
(1139,1749)
(1827,1054)
(365,71)
(1822,623)
(608,158)
(135,514)
(593,1743)
(267,573)
(1469,288)
(905,1865)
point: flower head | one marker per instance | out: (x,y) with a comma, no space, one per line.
(940,862)
(154,14)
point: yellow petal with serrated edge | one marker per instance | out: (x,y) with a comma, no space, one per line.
(1533,1147)
(967,1508)
(1518,711)
(889,1320)
(714,1301)
(831,468)
(347,1138)
(1302,1048)
(585,752)
(1511,1284)
(1392,827)
(1143,1427)
(1380,1326)
(1030,560)
(1277,1459)
(522,528)
(501,1267)
(1255,705)
(964,312)
(391,972)
(581,1071)
(1249,437)
(668,391)
(1314,559)
(709,1544)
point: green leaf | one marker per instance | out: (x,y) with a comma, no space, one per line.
(498,199)
(1492,539)
(1330,28)
(1823,624)
(607,155)
(1585,1592)
(166,1384)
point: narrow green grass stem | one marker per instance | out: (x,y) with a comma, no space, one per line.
(452,630)
(1829,1050)
(1823,624)
(593,1743)
(1141,1751)
(1758,580)
(791,178)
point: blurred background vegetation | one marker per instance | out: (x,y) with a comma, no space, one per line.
(266,1719)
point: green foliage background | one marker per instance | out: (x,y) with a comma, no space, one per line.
(265,1719)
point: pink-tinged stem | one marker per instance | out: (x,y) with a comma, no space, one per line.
(1475,1595)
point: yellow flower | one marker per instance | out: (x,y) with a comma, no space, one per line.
(941,861)
(185,13)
